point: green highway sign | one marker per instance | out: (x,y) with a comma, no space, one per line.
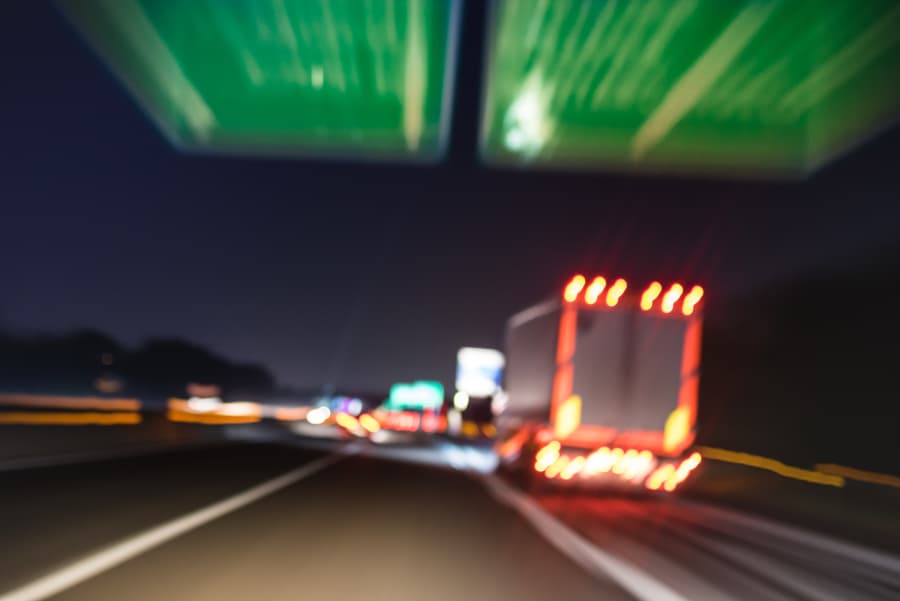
(751,86)
(369,78)
(420,395)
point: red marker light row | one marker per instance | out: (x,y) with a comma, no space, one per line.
(594,290)
(671,297)
(629,464)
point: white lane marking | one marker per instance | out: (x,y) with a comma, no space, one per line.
(108,558)
(596,561)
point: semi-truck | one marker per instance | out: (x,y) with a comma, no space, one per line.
(602,384)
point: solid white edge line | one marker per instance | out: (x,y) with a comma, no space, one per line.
(120,552)
(593,559)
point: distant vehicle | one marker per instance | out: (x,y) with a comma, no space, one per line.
(479,379)
(602,386)
(410,415)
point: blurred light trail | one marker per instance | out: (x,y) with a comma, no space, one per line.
(470,429)
(659,476)
(682,472)
(599,462)
(346,421)
(557,466)
(67,402)
(650,295)
(546,456)
(615,292)
(594,291)
(195,389)
(861,475)
(211,419)
(772,465)
(572,468)
(369,423)
(209,411)
(90,418)
(204,404)
(318,415)
(671,297)
(461,400)
(240,409)
(514,445)
(573,288)
(690,301)
(290,414)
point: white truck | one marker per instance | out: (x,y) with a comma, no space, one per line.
(602,385)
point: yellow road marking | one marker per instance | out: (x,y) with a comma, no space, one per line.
(861,475)
(210,419)
(57,418)
(772,465)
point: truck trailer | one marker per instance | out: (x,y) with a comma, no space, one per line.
(602,384)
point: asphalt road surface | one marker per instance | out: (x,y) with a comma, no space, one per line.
(360,528)
(256,521)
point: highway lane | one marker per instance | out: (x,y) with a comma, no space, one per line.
(361,528)
(404,522)
(54,515)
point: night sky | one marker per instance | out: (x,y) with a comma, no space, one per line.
(357,274)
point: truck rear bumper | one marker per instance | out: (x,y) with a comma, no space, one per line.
(612,467)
